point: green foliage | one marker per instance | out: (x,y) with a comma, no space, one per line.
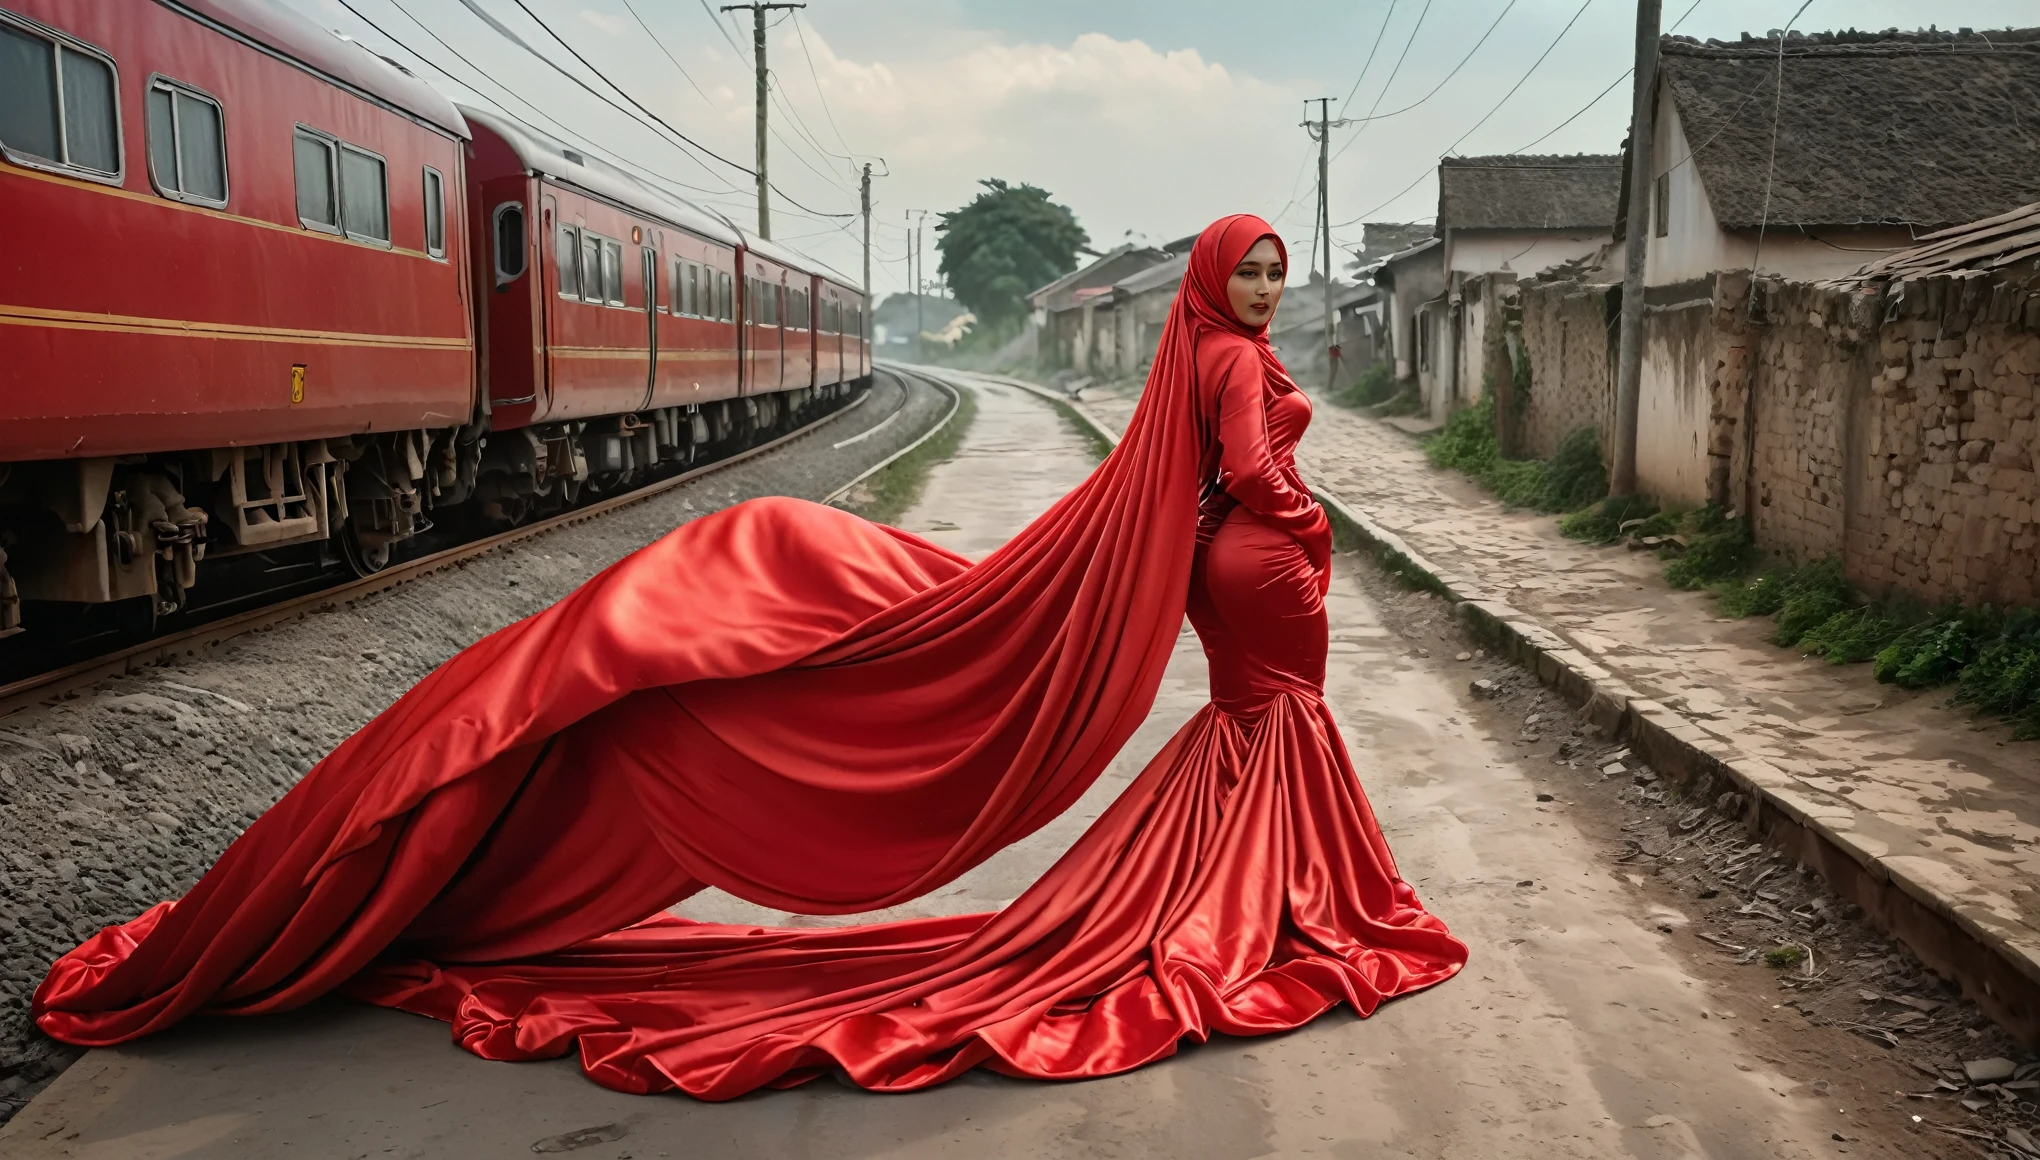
(1008,241)
(1935,651)
(1375,385)
(2004,680)
(1784,956)
(1571,478)
(887,495)
(1576,477)
(1718,550)
(1814,595)
(1762,596)
(1602,523)
(1467,441)
(1856,635)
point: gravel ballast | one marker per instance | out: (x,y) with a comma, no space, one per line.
(119,796)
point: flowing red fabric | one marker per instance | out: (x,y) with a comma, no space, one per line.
(823,715)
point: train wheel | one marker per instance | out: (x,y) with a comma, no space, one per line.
(362,559)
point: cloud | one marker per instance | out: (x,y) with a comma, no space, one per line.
(1128,136)
(610,25)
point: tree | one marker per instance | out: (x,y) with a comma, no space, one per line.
(1008,241)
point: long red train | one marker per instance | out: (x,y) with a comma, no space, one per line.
(260,287)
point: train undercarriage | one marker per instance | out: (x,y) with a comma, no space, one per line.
(133,536)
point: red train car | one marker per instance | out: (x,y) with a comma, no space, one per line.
(265,288)
(618,332)
(234,267)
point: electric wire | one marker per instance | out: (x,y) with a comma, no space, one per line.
(1626,74)
(1369,62)
(635,103)
(1371,117)
(1535,65)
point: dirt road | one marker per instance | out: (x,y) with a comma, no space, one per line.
(1580,1029)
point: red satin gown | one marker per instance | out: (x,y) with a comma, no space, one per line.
(822,715)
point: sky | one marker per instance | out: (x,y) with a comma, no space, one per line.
(1148,118)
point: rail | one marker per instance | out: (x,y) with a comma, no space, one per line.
(26,691)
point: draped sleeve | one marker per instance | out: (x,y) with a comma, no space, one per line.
(1248,468)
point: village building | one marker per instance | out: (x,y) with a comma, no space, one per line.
(1877,139)
(1072,332)
(1500,218)
(1848,145)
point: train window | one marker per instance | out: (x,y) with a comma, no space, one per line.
(364,195)
(510,245)
(435,218)
(729,297)
(688,287)
(187,150)
(313,155)
(612,272)
(57,102)
(568,250)
(591,267)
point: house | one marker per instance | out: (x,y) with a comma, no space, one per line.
(1879,138)
(1499,218)
(1141,305)
(1414,279)
(1068,310)
(1876,139)
(1298,332)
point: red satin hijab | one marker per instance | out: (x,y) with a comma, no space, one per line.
(782,700)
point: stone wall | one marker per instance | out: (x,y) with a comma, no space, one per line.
(1895,426)
(1892,426)
(1569,336)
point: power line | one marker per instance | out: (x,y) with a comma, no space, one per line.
(474,7)
(816,76)
(1535,65)
(1369,62)
(1626,73)
(1370,118)
(535,110)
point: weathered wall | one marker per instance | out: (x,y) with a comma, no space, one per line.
(1569,338)
(1673,404)
(1916,455)
(1894,426)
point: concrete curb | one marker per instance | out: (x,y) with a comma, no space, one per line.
(1943,918)
(1940,916)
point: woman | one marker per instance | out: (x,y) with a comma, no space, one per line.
(823,715)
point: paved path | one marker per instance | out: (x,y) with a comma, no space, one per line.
(1577,1031)
(1945,799)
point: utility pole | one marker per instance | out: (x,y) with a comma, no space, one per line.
(1321,129)
(917,273)
(1636,245)
(864,201)
(758,11)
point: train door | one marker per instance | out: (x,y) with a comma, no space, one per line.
(651,281)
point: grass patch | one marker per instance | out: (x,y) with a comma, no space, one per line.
(1406,403)
(886,496)
(1376,385)
(1785,956)
(1573,477)
(1718,550)
(1602,523)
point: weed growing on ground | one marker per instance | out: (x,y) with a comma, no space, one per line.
(1376,385)
(1572,478)
(1857,635)
(1718,549)
(887,495)
(1602,523)
(1406,403)
(1789,955)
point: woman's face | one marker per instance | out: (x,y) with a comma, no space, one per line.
(1255,287)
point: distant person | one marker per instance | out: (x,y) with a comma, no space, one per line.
(823,715)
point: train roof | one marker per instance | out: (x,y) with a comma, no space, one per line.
(790,257)
(284,32)
(542,154)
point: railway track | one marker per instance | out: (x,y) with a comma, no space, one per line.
(40,687)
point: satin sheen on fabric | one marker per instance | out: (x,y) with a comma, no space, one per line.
(823,715)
